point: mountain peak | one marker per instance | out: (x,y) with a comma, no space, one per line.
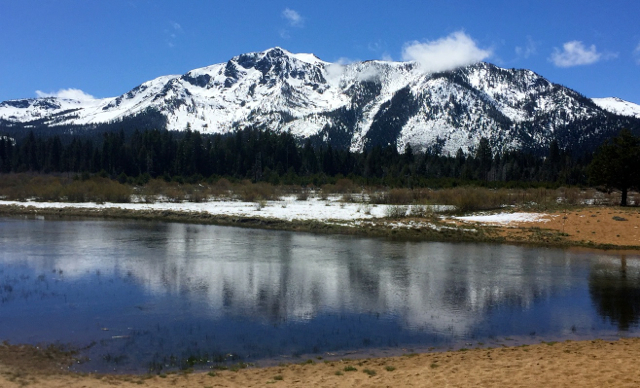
(357,106)
(618,106)
(279,52)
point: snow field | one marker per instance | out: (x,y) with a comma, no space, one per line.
(505,218)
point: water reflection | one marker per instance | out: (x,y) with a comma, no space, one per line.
(614,286)
(154,289)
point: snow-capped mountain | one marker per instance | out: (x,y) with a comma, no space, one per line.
(618,106)
(358,105)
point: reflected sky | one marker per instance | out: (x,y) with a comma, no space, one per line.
(151,293)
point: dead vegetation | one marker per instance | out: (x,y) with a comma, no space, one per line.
(47,188)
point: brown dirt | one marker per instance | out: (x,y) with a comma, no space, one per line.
(597,226)
(567,364)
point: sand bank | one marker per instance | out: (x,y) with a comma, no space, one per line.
(568,364)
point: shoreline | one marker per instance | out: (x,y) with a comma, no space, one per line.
(567,363)
(586,363)
(549,231)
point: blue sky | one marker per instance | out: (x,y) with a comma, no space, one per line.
(106,48)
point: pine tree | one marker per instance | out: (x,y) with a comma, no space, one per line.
(616,164)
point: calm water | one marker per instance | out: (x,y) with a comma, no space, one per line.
(146,295)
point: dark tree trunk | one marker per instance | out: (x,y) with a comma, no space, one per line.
(623,200)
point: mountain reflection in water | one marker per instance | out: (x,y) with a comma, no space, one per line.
(147,292)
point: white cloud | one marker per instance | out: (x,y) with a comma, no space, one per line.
(575,53)
(284,34)
(293,17)
(530,49)
(73,94)
(451,52)
(334,71)
(369,74)
(171,34)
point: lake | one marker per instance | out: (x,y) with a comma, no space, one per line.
(138,296)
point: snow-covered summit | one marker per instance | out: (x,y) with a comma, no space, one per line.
(618,106)
(356,105)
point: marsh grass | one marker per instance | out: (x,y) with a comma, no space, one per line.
(23,187)
(100,189)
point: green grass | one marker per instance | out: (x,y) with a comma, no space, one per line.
(390,368)
(350,368)
(370,372)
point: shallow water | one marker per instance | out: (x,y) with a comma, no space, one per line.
(150,295)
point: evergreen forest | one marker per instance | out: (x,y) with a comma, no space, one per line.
(278,158)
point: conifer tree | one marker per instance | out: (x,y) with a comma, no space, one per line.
(617,164)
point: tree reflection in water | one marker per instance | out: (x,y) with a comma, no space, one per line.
(615,292)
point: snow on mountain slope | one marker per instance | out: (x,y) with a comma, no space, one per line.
(618,106)
(359,105)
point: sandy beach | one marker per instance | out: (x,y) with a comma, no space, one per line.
(594,363)
(605,227)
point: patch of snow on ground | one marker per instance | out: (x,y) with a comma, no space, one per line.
(287,209)
(505,218)
(329,211)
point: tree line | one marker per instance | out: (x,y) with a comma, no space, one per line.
(263,155)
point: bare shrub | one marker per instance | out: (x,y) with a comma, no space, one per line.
(365,208)
(420,211)
(21,187)
(344,185)
(148,198)
(260,204)
(174,193)
(222,188)
(349,197)
(379,197)
(467,199)
(395,211)
(97,190)
(400,196)
(251,192)
(325,191)
(303,194)
(198,194)
(570,195)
